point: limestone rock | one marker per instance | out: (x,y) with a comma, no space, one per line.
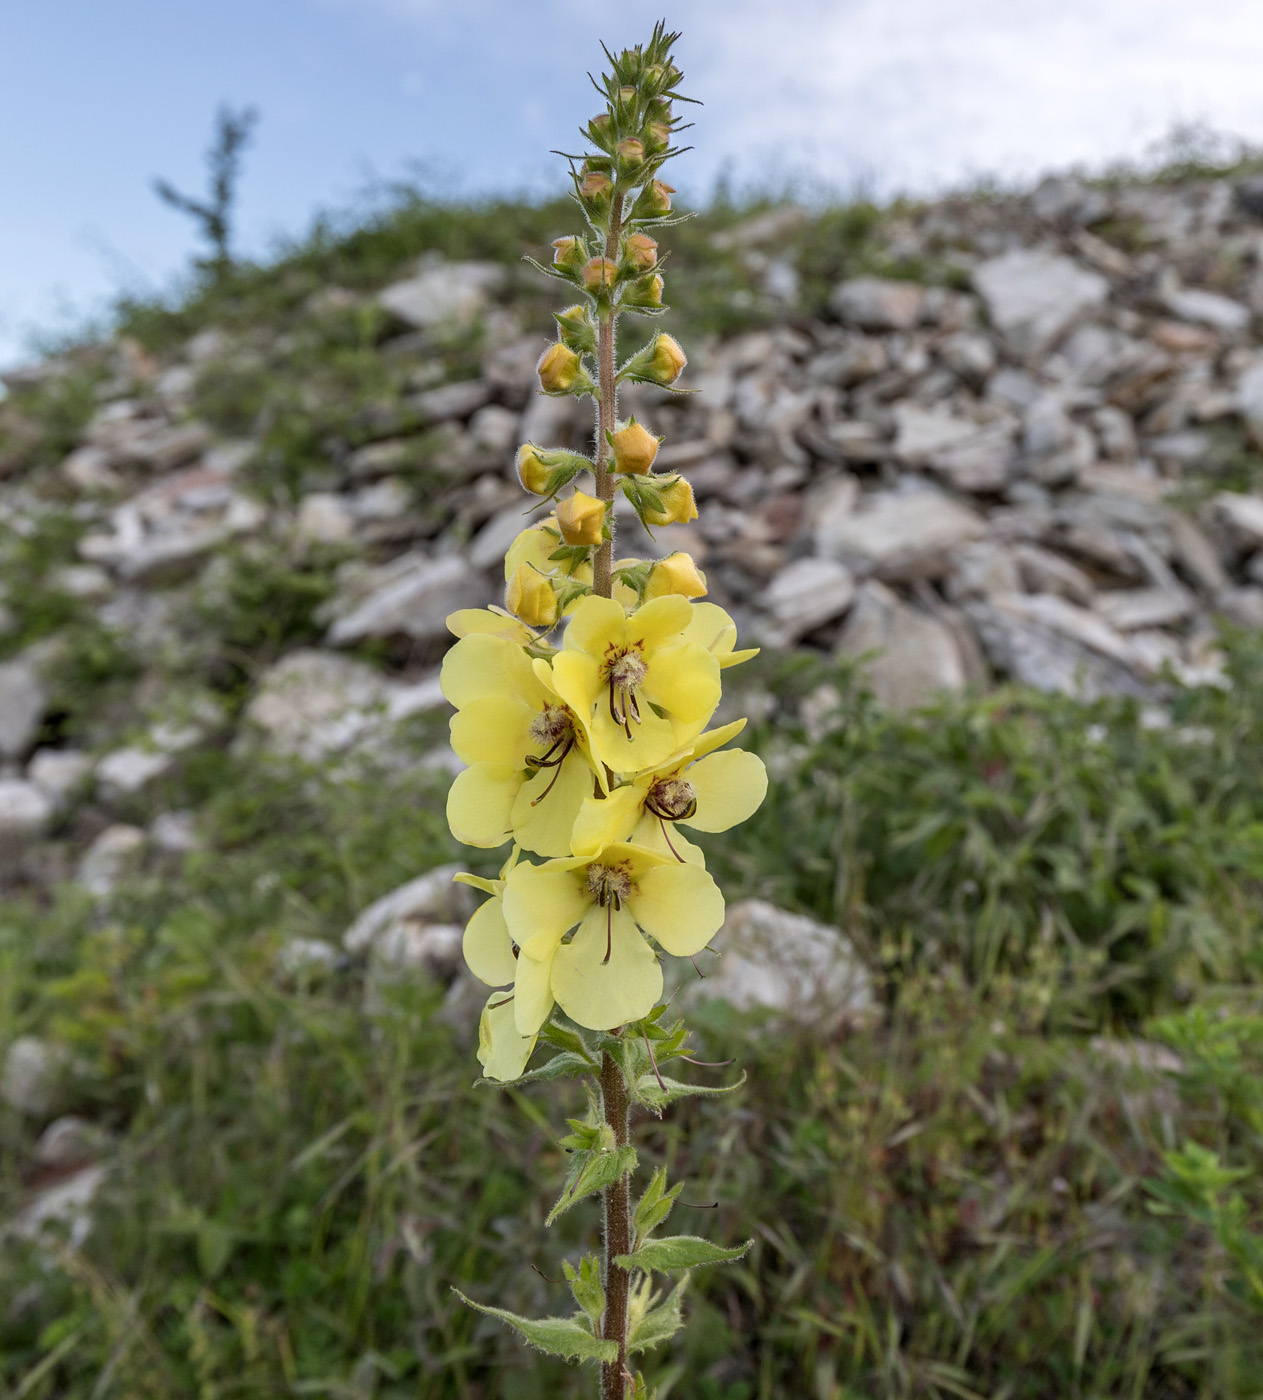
(432,899)
(900,535)
(412,597)
(874,304)
(803,596)
(916,655)
(34,1078)
(22,702)
(442,293)
(314,703)
(1033,295)
(970,456)
(25,810)
(1208,309)
(59,773)
(109,857)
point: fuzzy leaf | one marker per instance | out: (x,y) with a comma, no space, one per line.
(679,1252)
(658,1324)
(650,1092)
(585,1284)
(587,1137)
(655,1205)
(565,1066)
(570,1337)
(597,1172)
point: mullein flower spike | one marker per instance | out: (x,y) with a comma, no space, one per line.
(581,713)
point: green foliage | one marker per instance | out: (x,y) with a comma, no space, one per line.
(570,1337)
(679,1252)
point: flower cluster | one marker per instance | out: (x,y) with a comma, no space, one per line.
(587,748)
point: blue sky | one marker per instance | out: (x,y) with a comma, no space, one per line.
(99,96)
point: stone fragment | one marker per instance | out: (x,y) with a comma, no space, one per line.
(431,899)
(59,773)
(311,704)
(412,596)
(1250,402)
(900,536)
(875,304)
(916,656)
(969,355)
(25,810)
(1066,201)
(1208,309)
(1055,449)
(981,569)
(1249,195)
(1133,609)
(1196,555)
(861,357)
(324,517)
(1032,296)
(1042,571)
(1243,606)
(34,1078)
(22,702)
(968,455)
(805,595)
(127,770)
(789,965)
(442,293)
(114,852)
(1243,514)
(64,1208)
(457,400)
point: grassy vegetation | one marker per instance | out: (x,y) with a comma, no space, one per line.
(970,1197)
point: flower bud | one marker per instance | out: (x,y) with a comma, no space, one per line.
(581,518)
(654,201)
(530,597)
(634,448)
(531,472)
(595,185)
(678,505)
(559,369)
(599,275)
(600,130)
(657,137)
(677,573)
(640,252)
(631,154)
(667,361)
(644,291)
(569,254)
(578,331)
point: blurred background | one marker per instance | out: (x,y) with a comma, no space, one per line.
(973,303)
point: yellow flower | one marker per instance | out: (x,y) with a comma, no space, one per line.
(581,518)
(677,573)
(559,369)
(640,252)
(569,254)
(535,544)
(667,362)
(678,505)
(714,630)
(641,688)
(493,621)
(634,448)
(607,974)
(701,788)
(530,595)
(527,752)
(502,1050)
(531,472)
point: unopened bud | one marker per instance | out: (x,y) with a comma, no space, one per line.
(545,472)
(644,291)
(640,252)
(530,596)
(677,573)
(569,254)
(657,137)
(599,275)
(599,129)
(667,361)
(531,472)
(654,201)
(581,519)
(578,331)
(559,369)
(678,505)
(627,95)
(631,153)
(634,448)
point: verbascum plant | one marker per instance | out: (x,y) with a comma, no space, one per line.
(581,714)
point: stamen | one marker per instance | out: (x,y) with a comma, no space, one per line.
(556,765)
(672,849)
(609,933)
(654,1063)
(496,1005)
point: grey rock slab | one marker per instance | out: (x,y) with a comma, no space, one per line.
(1242,606)
(1133,609)
(34,1077)
(1056,450)
(442,294)
(914,655)
(981,569)
(1043,571)
(413,600)
(315,703)
(1208,309)
(875,304)
(791,966)
(1250,401)
(804,595)
(1196,555)
(128,770)
(432,898)
(22,703)
(457,400)
(1243,514)
(1033,295)
(25,810)
(900,536)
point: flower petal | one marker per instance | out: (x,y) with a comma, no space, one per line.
(493,729)
(650,833)
(532,997)
(729,788)
(479,802)
(542,903)
(467,621)
(605,819)
(481,664)
(679,905)
(595,624)
(487,947)
(502,1049)
(660,621)
(599,994)
(545,827)
(684,680)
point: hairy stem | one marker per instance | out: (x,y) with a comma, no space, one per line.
(617,1235)
(607,410)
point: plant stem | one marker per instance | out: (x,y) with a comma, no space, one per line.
(617,1235)
(607,409)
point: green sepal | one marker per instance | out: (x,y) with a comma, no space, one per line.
(587,1137)
(564,1066)
(679,1252)
(656,1325)
(569,1337)
(564,1039)
(595,1172)
(549,271)
(566,553)
(655,1205)
(658,1096)
(585,1284)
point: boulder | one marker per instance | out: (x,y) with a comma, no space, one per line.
(442,293)
(875,304)
(914,656)
(396,919)
(1033,295)
(804,595)
(411,596)
(899,535)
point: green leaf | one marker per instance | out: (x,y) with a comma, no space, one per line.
(679,1252)
(658,1096)
(655,1205)
(587,1137)
(658,1324)
(585,1284)
(570,1337)
(600,1170)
